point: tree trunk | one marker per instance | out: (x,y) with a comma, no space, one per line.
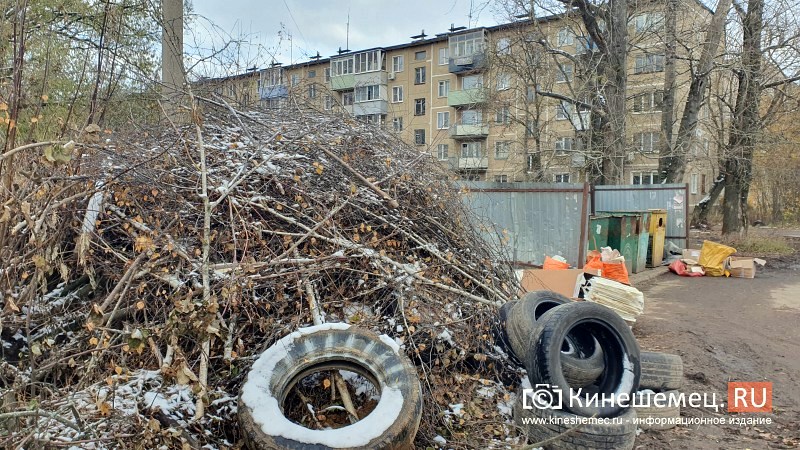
(700,212)
(616,89)
(746,125)
(173,75)
(673,164)
(668,102)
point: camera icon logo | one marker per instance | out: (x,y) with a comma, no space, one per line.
(542,396)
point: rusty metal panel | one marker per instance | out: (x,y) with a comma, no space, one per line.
(671,197)
(531,219)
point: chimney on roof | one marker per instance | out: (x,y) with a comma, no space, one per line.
(421,35)
(317,56)
(343,51)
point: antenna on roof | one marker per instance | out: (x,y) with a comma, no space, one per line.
(422,35)
(453,28)
(347,39)
(343,51)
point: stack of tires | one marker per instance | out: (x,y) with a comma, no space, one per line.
(576,353)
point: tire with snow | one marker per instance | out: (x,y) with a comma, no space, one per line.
(653,417)
(620,353)
(661,371)
(581,357)
(618,434)
(392,424)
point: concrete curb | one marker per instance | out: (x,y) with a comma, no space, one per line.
(642,279)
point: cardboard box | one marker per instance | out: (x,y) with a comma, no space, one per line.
(565,282)
(742,266)
(691,254)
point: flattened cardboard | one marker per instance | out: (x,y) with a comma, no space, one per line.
(742,266)
(565,282)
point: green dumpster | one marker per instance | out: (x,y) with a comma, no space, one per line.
(598,231)
(624,230)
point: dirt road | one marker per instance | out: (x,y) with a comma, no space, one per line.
(729,330)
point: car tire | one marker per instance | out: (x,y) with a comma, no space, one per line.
(658,416)
(620,350)
(615,435)
(661,371)
(392,424)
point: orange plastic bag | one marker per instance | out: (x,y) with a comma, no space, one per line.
(552,264)
(615,271)
(594,261)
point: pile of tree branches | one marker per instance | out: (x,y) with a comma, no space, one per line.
(142,271)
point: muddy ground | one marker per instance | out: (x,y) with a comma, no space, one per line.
(728,329)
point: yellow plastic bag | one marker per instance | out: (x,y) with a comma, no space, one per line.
(712,258)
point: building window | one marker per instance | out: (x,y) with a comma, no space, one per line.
(419,107)
(503,81)
(397,63)
(367,93)
(564,145)
(564,73)
(397,124)
(419,75)
(648,101)
(703,184)
(565,37)
(442,151)
(530,163)
(502,149)
(501,178)
(327,74)
(311,74)
(419,136)
(312,91)
(530,94)
(295,80)
(648,63)
(471,149)
(444,57)
(563,111)
(342,66)
(503,115)
(693,184)
(530,128)
(504,46)
(347,98)
(646,142)
(421,55)
(584,45)
(397,94)
(472,82)
(443,120)
(376,119)
(466,44)
(640,178)
(328,103)
(651,21)
(367,61)
(444,88)
(561,177)
(471,117)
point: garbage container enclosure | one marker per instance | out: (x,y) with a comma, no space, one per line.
(658,233)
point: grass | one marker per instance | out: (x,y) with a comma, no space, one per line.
(762,245)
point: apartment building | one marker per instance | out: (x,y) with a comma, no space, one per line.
(485,101)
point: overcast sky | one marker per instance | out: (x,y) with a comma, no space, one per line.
(318,26)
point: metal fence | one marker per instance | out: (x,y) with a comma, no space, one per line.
(672,197)
(533,219)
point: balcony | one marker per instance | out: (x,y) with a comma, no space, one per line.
(466,97)
(343,82)
(469,130)
(276,91)
(471,63)
(370,107)
(473,163)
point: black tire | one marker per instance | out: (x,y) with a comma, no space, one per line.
(582,359)
(616,436)
(658,415)
(584,364)
(523,315)
(661,371)
(620,355)
(328,347)
(501,333)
